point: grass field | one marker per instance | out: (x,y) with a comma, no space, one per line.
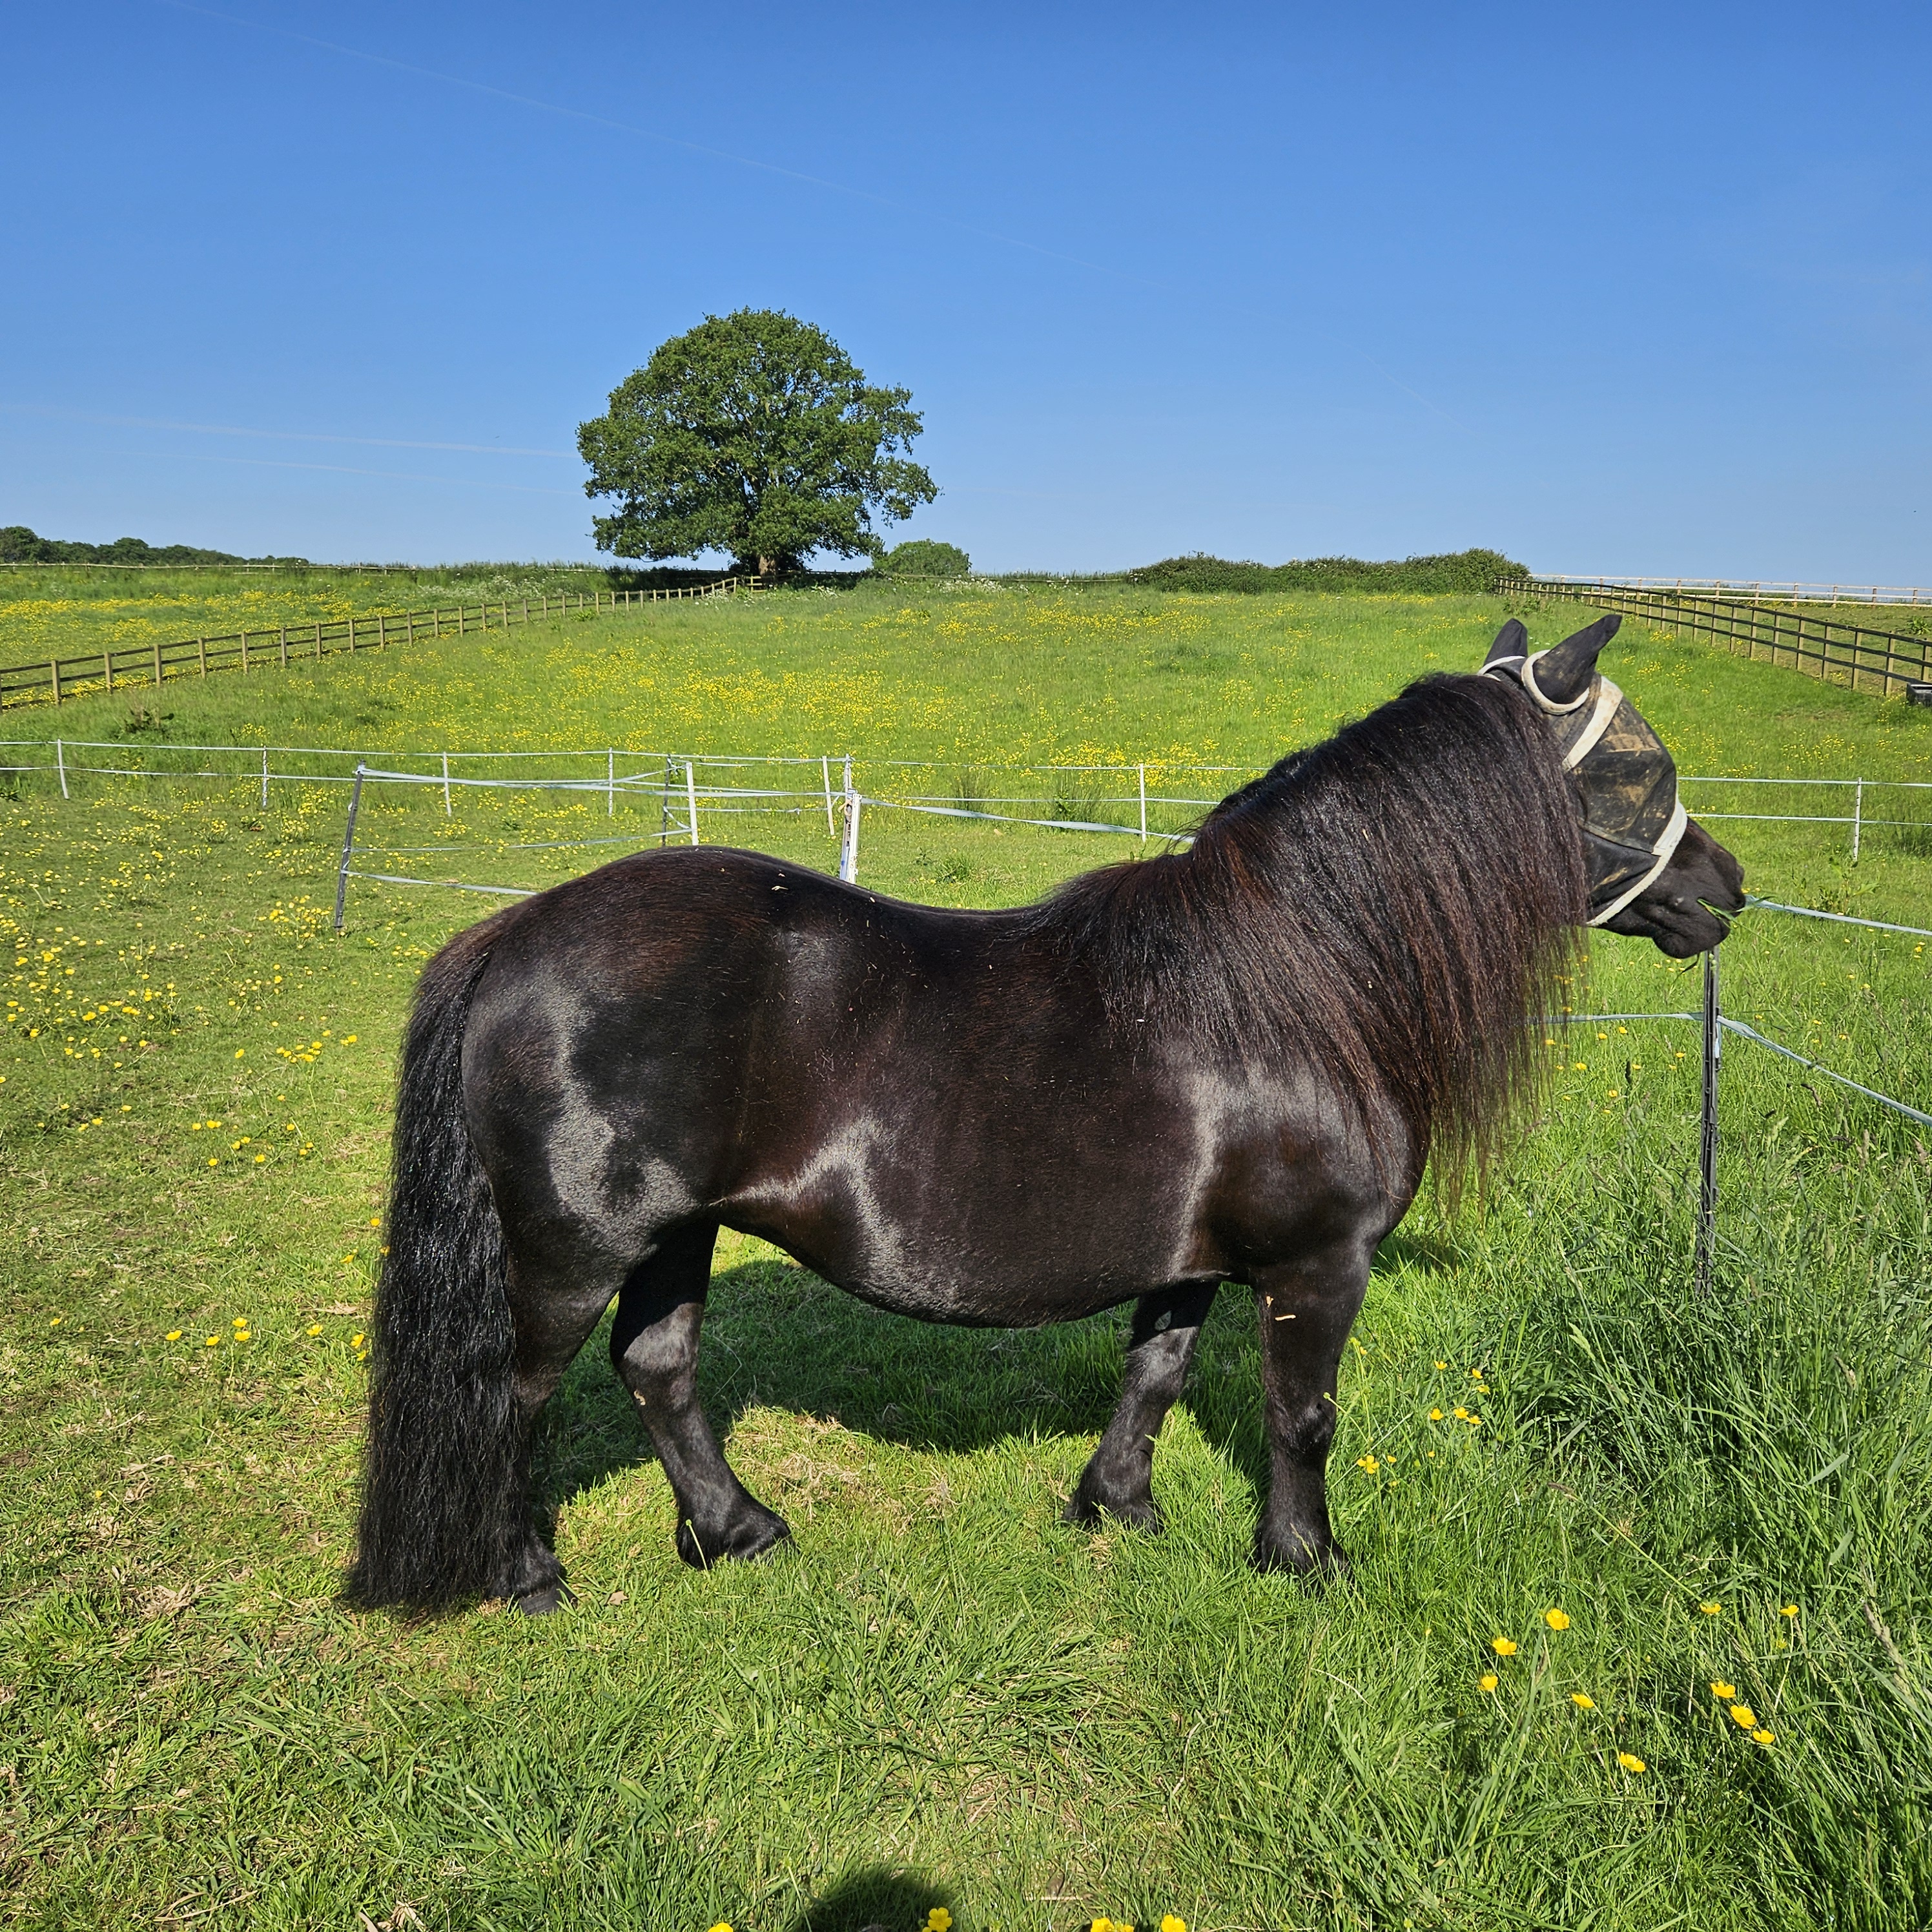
(70,608)
(942,1696)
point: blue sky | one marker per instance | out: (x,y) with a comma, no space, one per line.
(1641,289)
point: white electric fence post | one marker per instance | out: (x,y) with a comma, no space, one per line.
(691,798)
(60,764)
(446,784)
(825,773)
(610,784)
(1707,1146)
(1143,772)
(264,779)
(848,855)
(348,846)
(1858,815)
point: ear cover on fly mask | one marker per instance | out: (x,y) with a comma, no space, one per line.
(1624,776)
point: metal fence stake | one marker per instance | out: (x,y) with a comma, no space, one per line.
(1858,814)
(60,764)
(1707,1144)
(1143,772)
(610,763)
(825,775)
(691,797)
(265,779)
(348,846)
(446,784)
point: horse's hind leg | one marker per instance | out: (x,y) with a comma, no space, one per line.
(654,1348)
(1118,1479)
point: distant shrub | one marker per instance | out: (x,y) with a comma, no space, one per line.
(1460,570)
(19,544)
(920,557)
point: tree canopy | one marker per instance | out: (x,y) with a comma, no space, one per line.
(753,432)
(921,557)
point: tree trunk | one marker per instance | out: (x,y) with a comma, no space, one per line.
(768,566)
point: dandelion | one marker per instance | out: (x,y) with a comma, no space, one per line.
(1503,1646)
(1582,1700)
(1556,1619)
(1764,1735)
(1723,1693)
(1744,1717)
(1630,1761)
(1487,1681)
(1711,1610)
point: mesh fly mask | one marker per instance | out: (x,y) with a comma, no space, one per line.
(1625,779)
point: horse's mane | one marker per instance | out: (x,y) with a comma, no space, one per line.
(1391,907)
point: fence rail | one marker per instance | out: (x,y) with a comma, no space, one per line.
(54,679)
(1830,649)
(1784,591)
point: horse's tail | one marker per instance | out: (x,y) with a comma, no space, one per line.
(445,1512)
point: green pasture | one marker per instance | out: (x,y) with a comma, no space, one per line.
(941,1696)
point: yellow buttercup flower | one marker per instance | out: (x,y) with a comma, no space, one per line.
(1763,1735)
(1582,1700)
(1711,1610)
(1169,1923)
(1630,1761)
(1789,1610)
(1487,1681)
(1723,1692)
(313,1328)
(1556,1620)
(1435,1415)
(1503,1646)
(1744,1717)
(939,1920)
(174,1334)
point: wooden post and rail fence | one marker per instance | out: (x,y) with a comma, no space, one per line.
(88,672)
(1828,647)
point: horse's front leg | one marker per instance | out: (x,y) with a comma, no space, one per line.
(1306,1308)
(654,1348)
(1118,1479)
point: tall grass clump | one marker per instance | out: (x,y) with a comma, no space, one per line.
(1762,1447)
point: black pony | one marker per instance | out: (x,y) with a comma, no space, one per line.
(1229,1064)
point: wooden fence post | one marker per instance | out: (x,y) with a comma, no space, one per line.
(201,645)
(158,665)
(107,668)
(283,640)
(244,651)
(53,665)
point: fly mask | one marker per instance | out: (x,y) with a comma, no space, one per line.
(1624,778)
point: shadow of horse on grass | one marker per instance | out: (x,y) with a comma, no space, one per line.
(776,1335)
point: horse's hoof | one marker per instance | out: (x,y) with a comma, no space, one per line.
(741,1542)
(1315,1565)
(1086,1511)
(555,1595)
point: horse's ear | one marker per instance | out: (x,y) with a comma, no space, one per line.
(1564,672)
(1512,641)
